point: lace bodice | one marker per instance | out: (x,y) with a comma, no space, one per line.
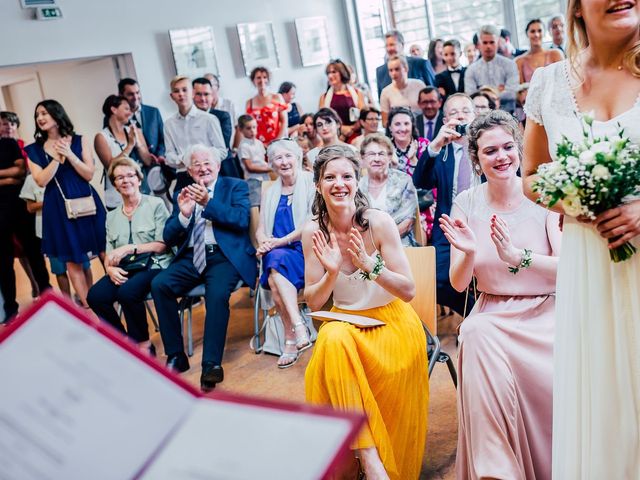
(552,104)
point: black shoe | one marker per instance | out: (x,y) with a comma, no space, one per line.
(178,362)
(211,374)
(152,350)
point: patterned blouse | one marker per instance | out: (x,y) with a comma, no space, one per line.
(401,200)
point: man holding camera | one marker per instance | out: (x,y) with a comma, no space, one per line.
(445,165)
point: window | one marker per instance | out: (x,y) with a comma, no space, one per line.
(461,19)
(528,10)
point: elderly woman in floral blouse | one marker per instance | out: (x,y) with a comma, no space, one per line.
(388,189)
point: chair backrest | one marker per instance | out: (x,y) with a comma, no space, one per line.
(418,232)
(423,267)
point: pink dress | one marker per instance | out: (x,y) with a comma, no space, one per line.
(506,353)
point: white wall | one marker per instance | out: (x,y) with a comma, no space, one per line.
(92,28)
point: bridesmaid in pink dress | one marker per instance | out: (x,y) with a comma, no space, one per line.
(510,245)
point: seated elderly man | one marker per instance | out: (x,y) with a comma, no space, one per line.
(209,227)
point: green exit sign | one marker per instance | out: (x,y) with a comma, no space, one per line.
(48,13)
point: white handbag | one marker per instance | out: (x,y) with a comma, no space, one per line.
(274,332)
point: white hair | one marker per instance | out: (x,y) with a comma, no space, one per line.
(559,16)
(285,144)
(211,152)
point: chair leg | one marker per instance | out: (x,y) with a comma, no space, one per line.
(256,322)
(152,315)
(190,329)
(452,369)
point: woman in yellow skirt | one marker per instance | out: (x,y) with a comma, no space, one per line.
(355,253)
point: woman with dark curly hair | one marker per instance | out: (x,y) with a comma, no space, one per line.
(355,253)
(62,162)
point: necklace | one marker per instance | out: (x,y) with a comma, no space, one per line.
(400,152)
(133,209)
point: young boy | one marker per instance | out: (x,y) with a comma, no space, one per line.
(251,153)
(451,80)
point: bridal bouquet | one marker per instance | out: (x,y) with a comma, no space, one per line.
(592,176)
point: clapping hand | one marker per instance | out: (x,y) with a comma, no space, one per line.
(63,148)
(458,234)
(358,252)
(199,193)
(327,253)
(131,136)
(502,240)
(186,202)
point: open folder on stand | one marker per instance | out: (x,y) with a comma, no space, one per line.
(78,401)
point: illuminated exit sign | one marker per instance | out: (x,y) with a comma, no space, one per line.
(48,13)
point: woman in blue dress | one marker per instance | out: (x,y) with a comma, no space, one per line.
(61,161)
(285,207)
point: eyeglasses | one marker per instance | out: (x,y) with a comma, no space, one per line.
(372,119)
(128,176)
(372,155)
(199,165)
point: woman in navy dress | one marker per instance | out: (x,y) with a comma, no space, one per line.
(61,161)
(285,207)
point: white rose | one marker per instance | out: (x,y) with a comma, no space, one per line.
(601,147)
(572,206)
(570,190)
(587,157)
(600,172)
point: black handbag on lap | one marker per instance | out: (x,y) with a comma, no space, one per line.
(136,262)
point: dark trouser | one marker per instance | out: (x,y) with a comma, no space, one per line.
(15,219)
(450,297)
(220,278)
(131,296)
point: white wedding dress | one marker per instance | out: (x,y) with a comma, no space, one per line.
(596,390)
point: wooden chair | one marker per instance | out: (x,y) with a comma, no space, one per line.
(423,267)
(418,232)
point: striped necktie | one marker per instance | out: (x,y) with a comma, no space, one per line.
(464,172)
(199,253)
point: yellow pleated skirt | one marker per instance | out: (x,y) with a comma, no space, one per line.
(381,372)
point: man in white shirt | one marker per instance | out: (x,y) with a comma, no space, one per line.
(189,126)
(403,91)
(493,70)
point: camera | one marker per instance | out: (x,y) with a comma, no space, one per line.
(462,129)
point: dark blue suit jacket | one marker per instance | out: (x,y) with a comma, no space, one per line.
(436,127)
(225,124)
(444,80)
(228,210)
(437,172)
(153,129)
(418,68)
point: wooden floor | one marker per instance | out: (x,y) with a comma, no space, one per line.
(257,375)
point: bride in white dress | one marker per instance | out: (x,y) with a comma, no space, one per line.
(596,410)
